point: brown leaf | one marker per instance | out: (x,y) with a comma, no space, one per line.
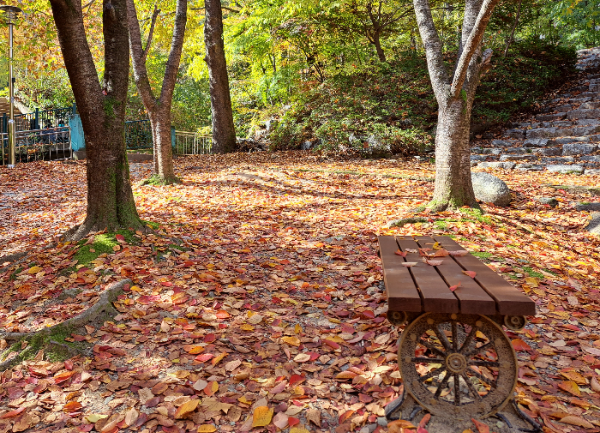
(186,408)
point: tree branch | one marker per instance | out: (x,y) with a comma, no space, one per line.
(138,57)
(151,33)
(175,53)
(433,48)
(472,45)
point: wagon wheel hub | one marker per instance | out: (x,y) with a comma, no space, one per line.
(456,363)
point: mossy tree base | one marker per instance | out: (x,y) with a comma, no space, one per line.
(52,339)
(157,180)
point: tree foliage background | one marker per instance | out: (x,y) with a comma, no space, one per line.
(317,64)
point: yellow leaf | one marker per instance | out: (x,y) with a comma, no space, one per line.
(297,329)
(207,428)
(570,387)
(34,270)
(262,416)
(116,247)
(243,400)
(292,341)
(214,386)
(246,327)
(218,359)
(533,282)
(299,430)
(186,408)
(95,417)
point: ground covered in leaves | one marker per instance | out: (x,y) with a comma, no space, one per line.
(257,303)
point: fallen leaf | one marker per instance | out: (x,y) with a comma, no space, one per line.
(261,417)
(470,273)
(186,408)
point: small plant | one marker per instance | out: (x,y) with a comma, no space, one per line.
(529,271)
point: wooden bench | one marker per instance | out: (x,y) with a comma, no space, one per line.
(454,357)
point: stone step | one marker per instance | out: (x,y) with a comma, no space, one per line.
(590,106)
(547,151)
(584,114)
(587,122)
(558,132)
(551,117)
(497,164)
(565,169)
(529,167)
(594,87)
(537,142)
(517,157)
(573,139)
(558,160)
(579,149)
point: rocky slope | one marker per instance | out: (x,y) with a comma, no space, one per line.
(564,137)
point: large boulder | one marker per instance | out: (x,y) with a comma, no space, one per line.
(490,189)
(594,224)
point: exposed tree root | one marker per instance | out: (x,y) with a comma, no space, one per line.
(77,233)
(101,311)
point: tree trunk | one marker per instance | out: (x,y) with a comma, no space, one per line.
(223,130)
(159,109)
(453,186)
(110,202)
(455,94)
(160,122)
(377,43)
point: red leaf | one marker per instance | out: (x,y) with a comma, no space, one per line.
(453,288)
(12,413)
(296,378)
(470,273)
(520,346)
(401,253)
(292,421)
(204,357)
(481,427)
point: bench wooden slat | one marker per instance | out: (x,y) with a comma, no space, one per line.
(402,292)
(509,300)
(429,282)
(473,299)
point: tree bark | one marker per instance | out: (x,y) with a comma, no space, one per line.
(378,48)
(223,129)
(110,202)
(455,95)
(159,109)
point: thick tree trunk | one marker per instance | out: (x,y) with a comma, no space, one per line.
(160,121)
(453,186)
(378,48)
(455,94)
(110,202)
(223,129)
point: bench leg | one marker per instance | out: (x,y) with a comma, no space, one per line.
(462,366)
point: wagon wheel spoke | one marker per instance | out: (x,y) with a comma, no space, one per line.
(442,337)
(477,350)
(456,389)
(428,360)
(431,374)
(485,363)
(432,348)
(441,385)
(468,340)
(454,336)
(483,378)
(471,387)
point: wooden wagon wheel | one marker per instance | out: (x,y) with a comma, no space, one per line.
(457,365)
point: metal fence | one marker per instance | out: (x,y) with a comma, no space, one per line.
(39,119)
(138,135)
(38,144)
(191,143)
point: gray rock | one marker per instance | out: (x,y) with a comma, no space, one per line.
(501,143)
(566,107)
(529,167)
(592,172)
(543,133)
(549,151)
(584,122)
(551,201)
(590,158)
(594,224)
(551,117)
(382,421)
(490,151)
(517,150)
(578,149)
(558,160)
(583,114)
(565,169)
(306,145)
(536,142)
(566,140)
(580,131)
(515,133)
(490,189)
(590,105)
(558,124)
(498,164)
(589,207)
(478,158)
(516,157)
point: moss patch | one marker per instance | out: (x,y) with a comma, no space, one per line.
(103,244)
(529,271)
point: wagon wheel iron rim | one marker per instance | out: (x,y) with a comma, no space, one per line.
(457,365)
